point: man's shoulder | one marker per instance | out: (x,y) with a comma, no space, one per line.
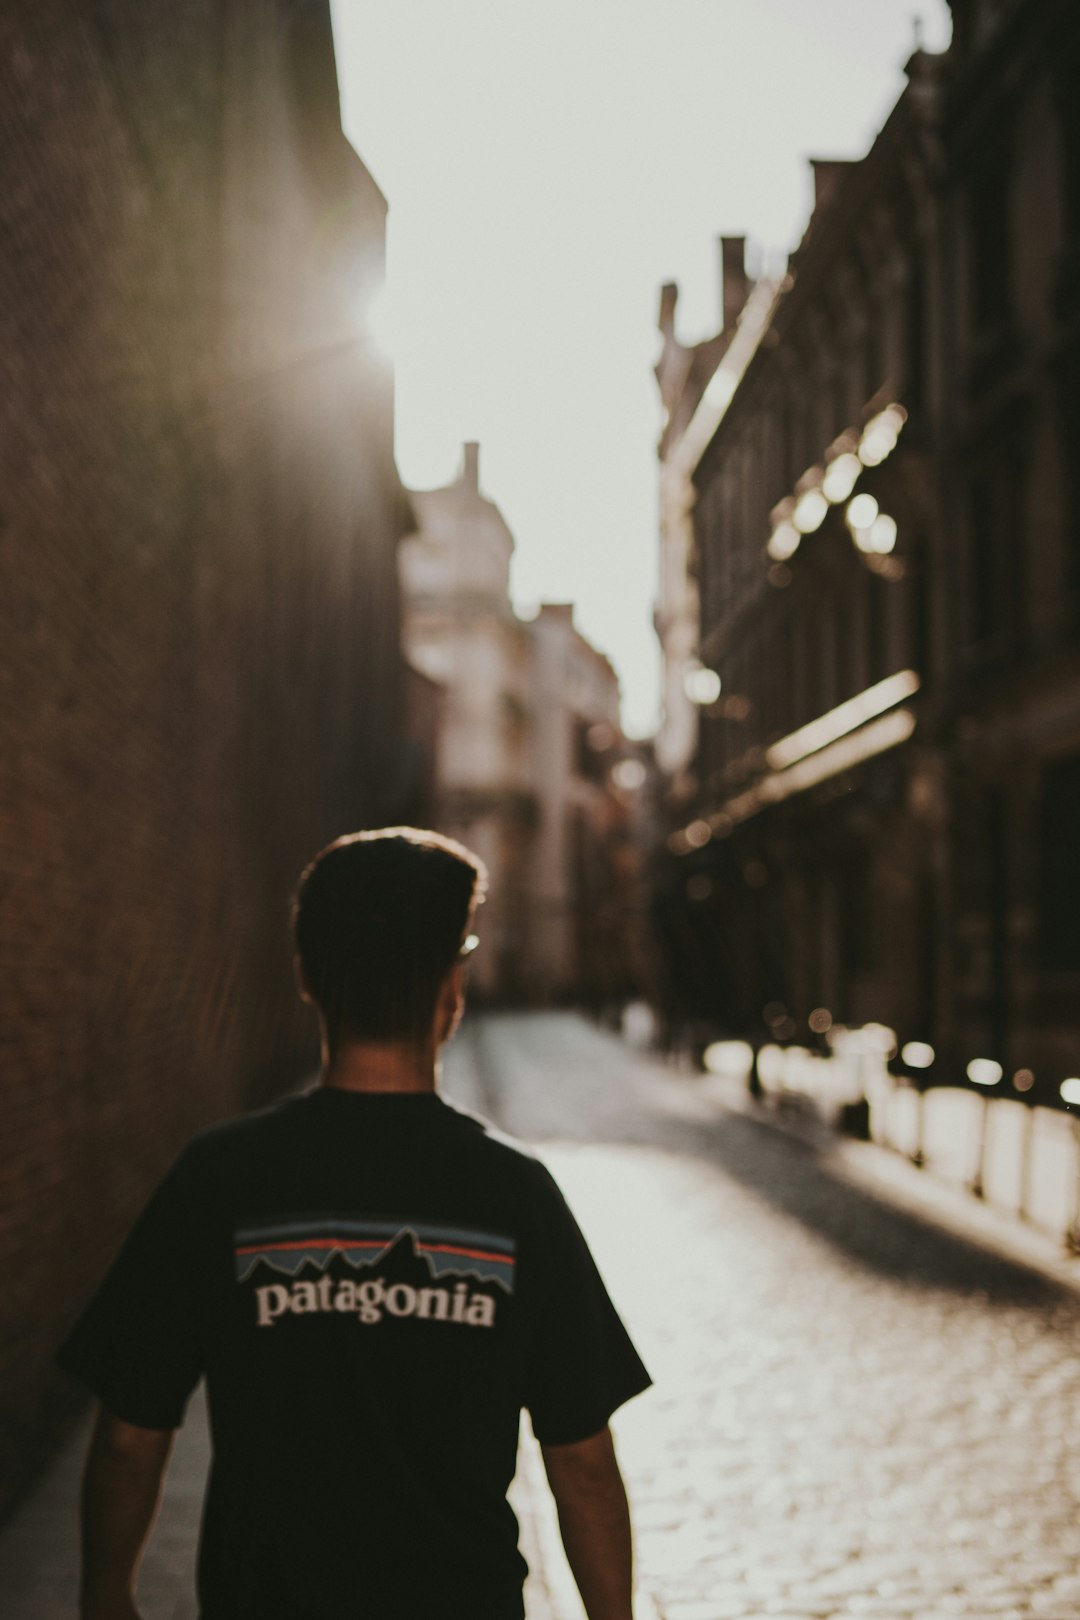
(240,1133)
(237,1133)
(477,1147)
(495,1144)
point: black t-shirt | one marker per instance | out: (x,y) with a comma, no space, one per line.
(373,1287)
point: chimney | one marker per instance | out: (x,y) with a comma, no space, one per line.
(828,172)
(734,282)
(669,297)
(470,474)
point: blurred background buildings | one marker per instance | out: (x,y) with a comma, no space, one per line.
(528,750)
(869,498)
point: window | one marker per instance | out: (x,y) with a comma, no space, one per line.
(985,566)
(915,381)
(922,602)
(1058,898)
(873,352)
(1069,426)
(593,742)
(876,599)
(1069,114)
(990,248)
(995,551)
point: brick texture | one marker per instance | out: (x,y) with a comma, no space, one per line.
(200,678)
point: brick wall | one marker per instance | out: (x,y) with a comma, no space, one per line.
(200,676)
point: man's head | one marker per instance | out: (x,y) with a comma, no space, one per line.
(379,921)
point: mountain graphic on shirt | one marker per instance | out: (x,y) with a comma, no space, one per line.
(401,1262)
(423,1250)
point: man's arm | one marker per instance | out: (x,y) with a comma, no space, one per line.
(594,1520)
(121,1490)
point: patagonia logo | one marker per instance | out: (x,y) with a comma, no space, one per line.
(374,1269)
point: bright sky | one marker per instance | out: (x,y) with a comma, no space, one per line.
(548,164)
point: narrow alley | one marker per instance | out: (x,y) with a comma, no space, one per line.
(855,1412)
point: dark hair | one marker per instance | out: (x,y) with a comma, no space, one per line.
(379,919)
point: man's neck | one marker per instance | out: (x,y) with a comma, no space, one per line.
(384,1066)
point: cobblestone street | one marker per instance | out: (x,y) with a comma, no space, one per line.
(856,1411)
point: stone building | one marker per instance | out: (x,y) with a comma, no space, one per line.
(800,876)
(583,867)
(462,633)
(527,740)
(1010,494)
(886,543)
(201,677)
(683,373)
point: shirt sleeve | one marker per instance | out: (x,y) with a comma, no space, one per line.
(581,1363)
(137,1343)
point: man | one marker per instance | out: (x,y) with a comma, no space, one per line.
(374,1284)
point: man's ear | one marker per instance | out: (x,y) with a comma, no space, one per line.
(454,985)
(451,1002)
(301,980)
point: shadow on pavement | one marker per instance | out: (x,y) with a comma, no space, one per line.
(797,1178)
(591,1087)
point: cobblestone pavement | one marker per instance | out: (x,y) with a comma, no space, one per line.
(856,1411)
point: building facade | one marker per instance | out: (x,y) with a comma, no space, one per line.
(201,678)
(1010,442)
(527,742)
(583,947)
(462,633)
(800,882)
(885,557)
(683,373)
